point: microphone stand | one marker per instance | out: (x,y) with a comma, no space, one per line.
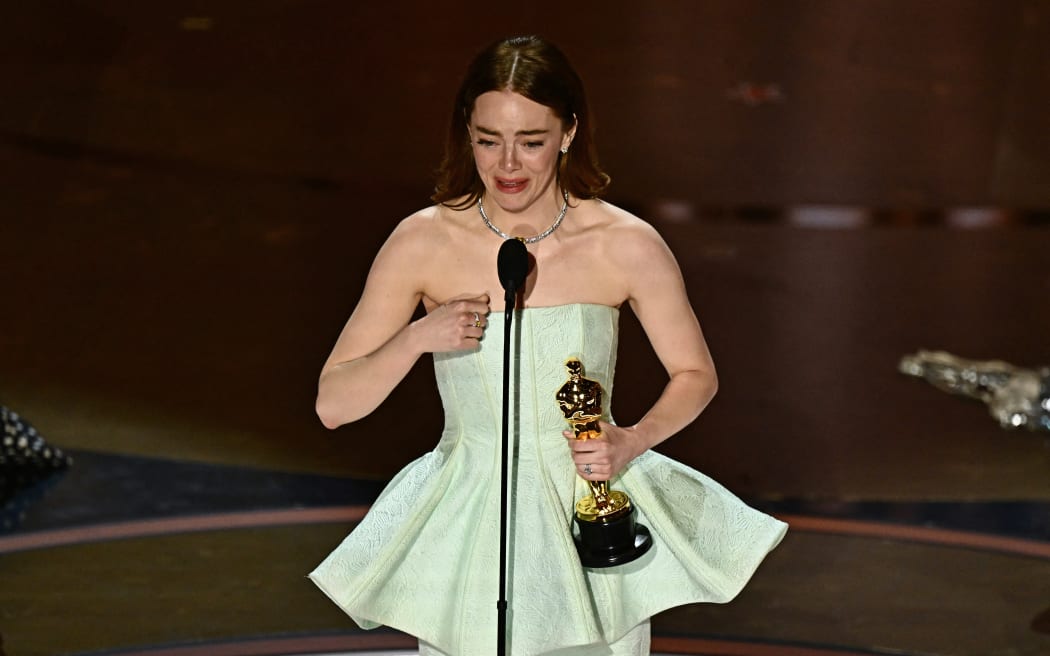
(512,265)
(510,297)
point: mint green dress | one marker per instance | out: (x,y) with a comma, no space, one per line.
(425,560)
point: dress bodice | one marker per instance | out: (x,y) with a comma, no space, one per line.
(543,339)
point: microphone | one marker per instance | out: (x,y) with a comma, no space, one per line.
(513,265)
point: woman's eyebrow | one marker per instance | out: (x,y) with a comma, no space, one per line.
(520,133)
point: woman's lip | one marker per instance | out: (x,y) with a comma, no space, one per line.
(511,186)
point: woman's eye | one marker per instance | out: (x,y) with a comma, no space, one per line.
(486,142)
(533,144)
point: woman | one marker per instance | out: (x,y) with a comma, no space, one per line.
(520,163)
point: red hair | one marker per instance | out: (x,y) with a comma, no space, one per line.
(536,69)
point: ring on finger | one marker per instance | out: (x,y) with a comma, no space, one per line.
(587,470)
(477,320)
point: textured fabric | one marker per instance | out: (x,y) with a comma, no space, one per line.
(425,559)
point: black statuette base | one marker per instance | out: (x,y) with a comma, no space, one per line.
(607,543)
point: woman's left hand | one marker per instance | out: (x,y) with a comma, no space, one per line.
(606,456)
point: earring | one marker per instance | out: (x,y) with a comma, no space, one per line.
(564,150)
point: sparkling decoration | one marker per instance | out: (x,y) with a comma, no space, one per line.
(1016,397)
(26,462)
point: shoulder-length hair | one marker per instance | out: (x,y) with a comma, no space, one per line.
(536,69)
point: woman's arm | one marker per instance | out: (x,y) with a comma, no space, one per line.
(659,299)
(657,295)
(378,346)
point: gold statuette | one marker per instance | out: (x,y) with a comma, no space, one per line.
(580,400)
(608,533)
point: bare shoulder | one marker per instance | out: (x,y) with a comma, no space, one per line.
(419,232)
(397,264)
(624,235)
(422,224)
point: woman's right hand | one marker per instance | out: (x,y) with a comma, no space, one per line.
(456,325)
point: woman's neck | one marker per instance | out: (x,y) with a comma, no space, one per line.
(530,221)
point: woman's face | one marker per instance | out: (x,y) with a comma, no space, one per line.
(516,143)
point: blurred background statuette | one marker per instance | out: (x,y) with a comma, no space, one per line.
(1016,397)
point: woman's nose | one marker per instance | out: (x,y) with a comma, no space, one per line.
(509,158)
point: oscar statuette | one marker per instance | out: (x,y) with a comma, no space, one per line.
(608,534)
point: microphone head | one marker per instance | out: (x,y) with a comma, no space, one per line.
(512,264)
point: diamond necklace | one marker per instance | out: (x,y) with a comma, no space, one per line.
(527,240)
